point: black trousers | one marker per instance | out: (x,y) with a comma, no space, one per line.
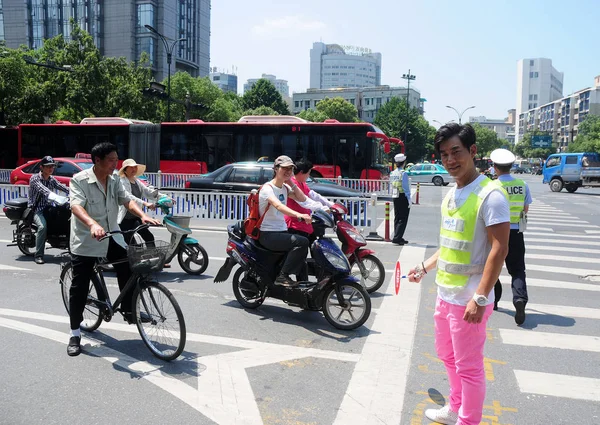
(132,223)
(83,268)
(295,245)
(401,212)
(515,264)
(303,275)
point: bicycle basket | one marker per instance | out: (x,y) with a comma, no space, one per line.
(147,258)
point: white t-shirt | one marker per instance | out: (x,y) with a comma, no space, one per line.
(274,220)
(494,210)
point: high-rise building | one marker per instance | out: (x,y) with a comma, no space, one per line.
(281,85)
(335,66)
(224,80)
(117,28)
(368,100)
(538,83)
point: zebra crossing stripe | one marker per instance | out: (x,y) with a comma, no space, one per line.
(554,241)
(562,270)
(560,258)
(557,310)
(12,268)
(561,235)
(552,384)
(554,223)
(554,284)
(563,249)
(550,340)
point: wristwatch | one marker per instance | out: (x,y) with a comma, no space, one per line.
(480,300)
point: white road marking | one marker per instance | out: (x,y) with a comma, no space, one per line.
(554,223)
(595,232)
(224,393)
(556,310)
(555,385)
(563,270)
(550,340)
(550,283)
(564,249)
(541,229)
(560,235)
(561,242)
(12,268)
(376,391)
(559,258)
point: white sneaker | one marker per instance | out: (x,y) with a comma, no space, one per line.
(442,416)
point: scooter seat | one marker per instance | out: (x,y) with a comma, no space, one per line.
(17,203)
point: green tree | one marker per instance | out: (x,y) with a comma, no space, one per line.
(13,82)
(312,115)
(338,109)
(588,136)
(524,149)
(264,93)
(487,140)
(261,110)
(392,120)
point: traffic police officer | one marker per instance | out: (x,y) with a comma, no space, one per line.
(520,198)
(401,196)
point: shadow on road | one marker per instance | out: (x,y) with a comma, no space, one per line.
(533,319)
(313,321)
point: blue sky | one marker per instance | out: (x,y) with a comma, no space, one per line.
(463,52)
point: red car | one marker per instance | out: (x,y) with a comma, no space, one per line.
(65,169)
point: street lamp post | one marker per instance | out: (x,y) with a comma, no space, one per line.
(460,114)
(169,49)
(408,77)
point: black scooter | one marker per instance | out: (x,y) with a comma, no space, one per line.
(57,215)
(344,302)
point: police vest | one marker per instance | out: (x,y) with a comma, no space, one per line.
(454,266)
(396,181)
(516,195)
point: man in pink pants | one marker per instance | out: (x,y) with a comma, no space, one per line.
(474,237)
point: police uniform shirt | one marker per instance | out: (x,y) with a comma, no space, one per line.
(528,198)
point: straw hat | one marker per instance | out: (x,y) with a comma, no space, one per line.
(131,163)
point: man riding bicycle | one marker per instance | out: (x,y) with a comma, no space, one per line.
(95,198)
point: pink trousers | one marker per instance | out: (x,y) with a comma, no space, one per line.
(460,346)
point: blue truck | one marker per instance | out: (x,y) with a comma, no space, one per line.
(572,171)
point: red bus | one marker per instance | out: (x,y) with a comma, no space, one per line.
(352,150)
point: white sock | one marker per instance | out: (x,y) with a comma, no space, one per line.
(76,332)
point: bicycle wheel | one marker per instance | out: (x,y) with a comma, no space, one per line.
(159,320)
(91,313)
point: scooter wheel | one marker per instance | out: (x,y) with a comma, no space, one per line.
(26,239)
(374,272)
(246,290)
(351,312)
(193,259)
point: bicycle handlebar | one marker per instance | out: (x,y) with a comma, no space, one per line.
(124,232)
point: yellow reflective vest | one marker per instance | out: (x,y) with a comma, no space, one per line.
(516,195)
(454,266)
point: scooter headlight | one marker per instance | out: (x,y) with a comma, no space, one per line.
(340,263)
(358,238)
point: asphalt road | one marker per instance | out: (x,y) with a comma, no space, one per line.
(282,365)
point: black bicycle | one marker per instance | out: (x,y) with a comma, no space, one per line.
(154,310)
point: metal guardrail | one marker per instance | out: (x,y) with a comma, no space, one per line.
(5,175)
(162,180)
(216,206)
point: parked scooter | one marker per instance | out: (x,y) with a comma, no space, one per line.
(365,265)
(344,302)
(192,257)
(57,215)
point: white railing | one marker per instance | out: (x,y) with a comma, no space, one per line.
(5,175)
(379,187)
(162,180)
(216,206)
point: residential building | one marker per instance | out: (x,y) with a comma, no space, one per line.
(561,118)
(504,128)
(368,100)
(224,80)
(117,28)
(336,66)
(281,85)
(538,83)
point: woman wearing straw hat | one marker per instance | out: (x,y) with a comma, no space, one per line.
(129,173)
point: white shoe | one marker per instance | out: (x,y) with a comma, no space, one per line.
(442,416)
